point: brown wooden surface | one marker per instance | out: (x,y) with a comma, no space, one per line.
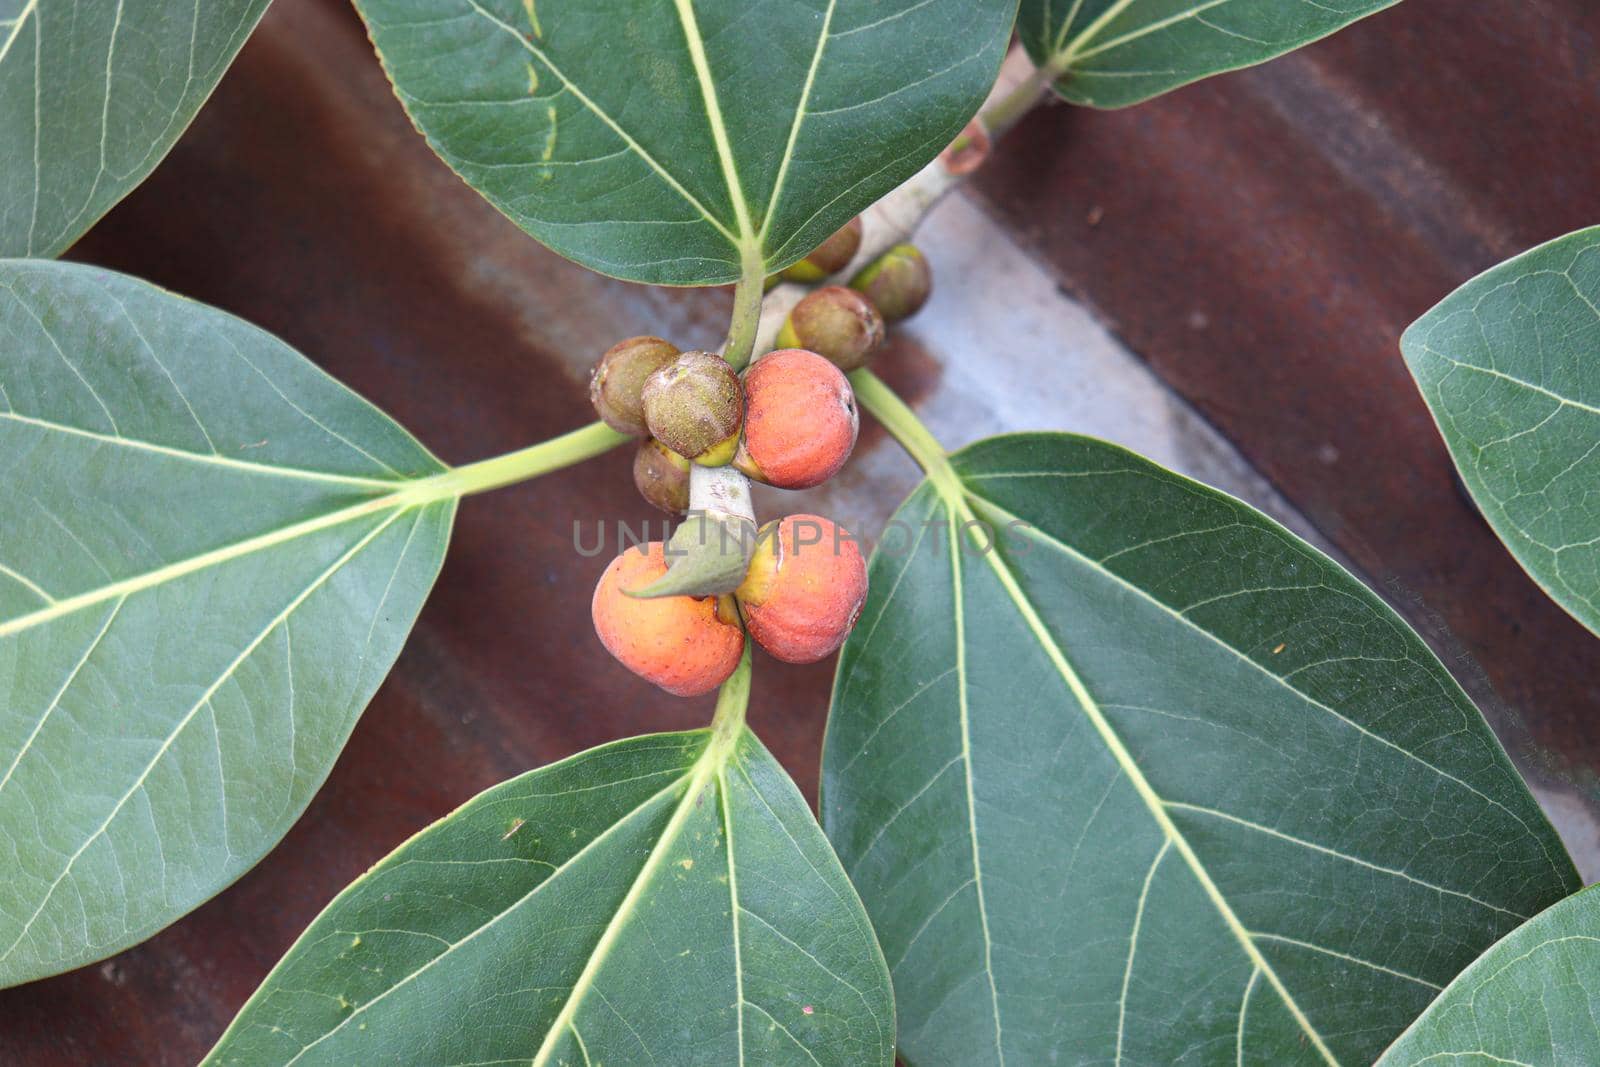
(1262,239)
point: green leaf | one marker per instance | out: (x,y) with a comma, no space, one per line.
(1532,999)
(92,95)
(210,555)
(665,899)
(1112,53)
(688,142)
(1510,366)
(1155,780)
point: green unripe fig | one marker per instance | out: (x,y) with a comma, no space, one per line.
(695,406)
(830,257)
(662,476)
(616,388)
(898,284)
(838,324)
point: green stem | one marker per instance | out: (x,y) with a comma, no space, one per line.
(732,703)
(746,313)
(1006,112)
(564,451)
(904,426)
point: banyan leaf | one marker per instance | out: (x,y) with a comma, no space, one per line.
(1533,999)
(1150,779)
(1510,367)
(665,899)
(93,93)
(210,555)
(1112,53)
(688,142)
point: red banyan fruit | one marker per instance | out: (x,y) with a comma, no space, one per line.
(685,645)
(805,588)
(800,420)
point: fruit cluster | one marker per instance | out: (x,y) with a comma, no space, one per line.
(788,421)
(800,598)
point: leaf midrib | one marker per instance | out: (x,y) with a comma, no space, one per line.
(183,723)
(16,28)
(214,557)
(734,907)
(708,767)
(737,240)
(548,880)
(1029,530)
(971,797)
(747,243)
(1130,767)
(212,459)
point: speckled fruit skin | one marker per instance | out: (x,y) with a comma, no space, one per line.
(695,406)
(679,643)
(800,420)
(898,284)
(805,588)
(616,388)
(838,324)
(661,476)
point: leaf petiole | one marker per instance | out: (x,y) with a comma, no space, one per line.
(544,458)
(1005,112)
(905,427)
(1000,116)
(746,320)
(733,700)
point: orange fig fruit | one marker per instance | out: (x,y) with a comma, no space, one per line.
(686,645)
(805,588)
(800,420)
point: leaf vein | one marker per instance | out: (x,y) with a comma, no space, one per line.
(800,117)
(600,113)
(1153,801)
(490,924)
(971,797)
(1324,950)
(1031,531)
(183,723)
(1336,854)
(61,691)
(1133,944)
